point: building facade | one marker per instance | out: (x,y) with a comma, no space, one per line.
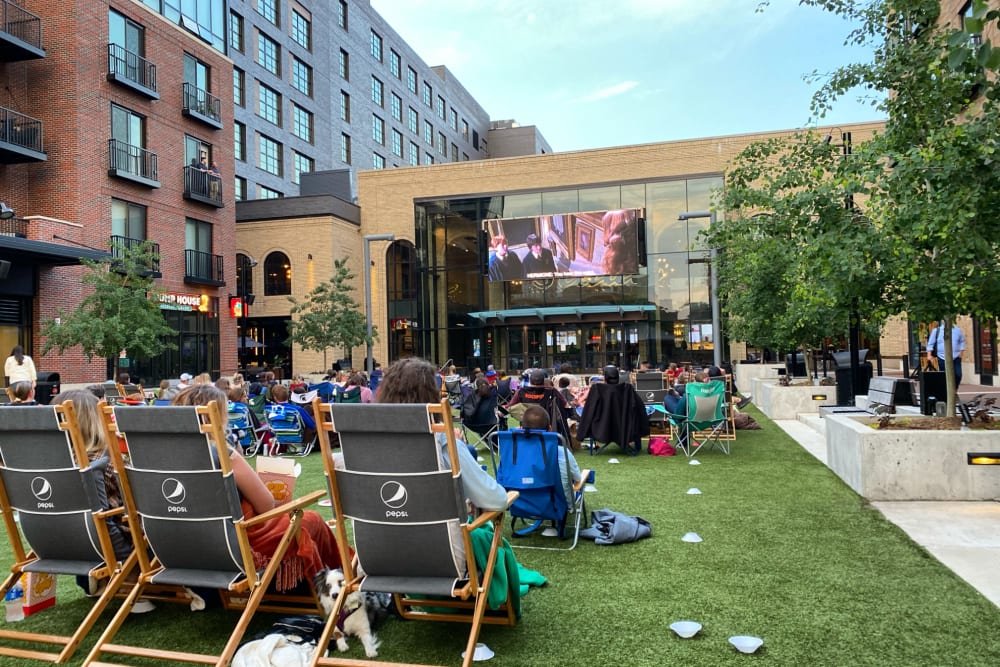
(106,126)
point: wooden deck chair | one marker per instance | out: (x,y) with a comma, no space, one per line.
(407,511)
(58,495)
(178,485)
(529,464)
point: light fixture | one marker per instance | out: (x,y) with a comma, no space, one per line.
(819,397)
(984,458)
(6,212)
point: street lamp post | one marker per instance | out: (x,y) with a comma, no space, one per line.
(244,303)
(714,286)
(369,362)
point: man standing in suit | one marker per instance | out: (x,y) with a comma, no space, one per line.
(539,260)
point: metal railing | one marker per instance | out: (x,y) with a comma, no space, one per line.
(203,266)
(14,227)
(20,130)
(202,185)
(20,23)
(129,159)
(202,102)
(124,64)
(121,244)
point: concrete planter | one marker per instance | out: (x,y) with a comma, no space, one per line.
(778,402)
(910,465)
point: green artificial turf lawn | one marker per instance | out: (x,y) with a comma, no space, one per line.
(790,554)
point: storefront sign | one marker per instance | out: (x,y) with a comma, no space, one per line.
(178,301)
(235,307)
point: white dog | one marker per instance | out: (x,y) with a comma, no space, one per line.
(353,616)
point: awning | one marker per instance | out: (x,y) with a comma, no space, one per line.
(579,312)
(41,252)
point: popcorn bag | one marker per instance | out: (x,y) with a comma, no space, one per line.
(279,475)
(39,591)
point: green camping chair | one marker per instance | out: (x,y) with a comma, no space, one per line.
(705,419)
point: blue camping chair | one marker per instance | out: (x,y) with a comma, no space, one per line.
(705,419)
(529,464)
(289,431)
(241,425)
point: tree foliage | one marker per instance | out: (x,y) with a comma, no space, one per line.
(122,312)
(329,317)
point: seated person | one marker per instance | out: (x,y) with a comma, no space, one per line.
(279,396)
(22,392)
(535,418)
(537,392)
(674,401)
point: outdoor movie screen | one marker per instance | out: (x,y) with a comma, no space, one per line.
(565,245)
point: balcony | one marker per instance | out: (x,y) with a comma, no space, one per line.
(21,34)
(132,71)
(20,138)
(202,186)
(14,227)
(202,268)
(202,105)
(132,163)
(119,244)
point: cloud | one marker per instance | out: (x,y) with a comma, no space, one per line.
(610,91)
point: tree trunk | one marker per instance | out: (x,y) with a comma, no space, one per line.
(949,367)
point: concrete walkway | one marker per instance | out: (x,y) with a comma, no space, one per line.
(963,536)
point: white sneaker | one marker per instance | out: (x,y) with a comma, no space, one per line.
(142,607)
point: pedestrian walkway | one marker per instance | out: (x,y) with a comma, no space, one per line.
(963,536)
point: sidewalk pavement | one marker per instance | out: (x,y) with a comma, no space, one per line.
(963,536)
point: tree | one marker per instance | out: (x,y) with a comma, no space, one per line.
(122,312)
(329,316)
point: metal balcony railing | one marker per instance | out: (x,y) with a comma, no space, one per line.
(23,26)
(14,227)
(120,244)
(202,186)
(202,104)
(132,162)
(203,267)
(132,70)
(20,130)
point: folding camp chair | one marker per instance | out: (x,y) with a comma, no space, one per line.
(407,511)
(178,485)
(348,395)
(453,388)
(485,421)
(529,464)
(705,419)
(59,496)
(613,414)
(289,431)
(241,425)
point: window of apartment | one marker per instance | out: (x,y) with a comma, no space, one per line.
(397,143)
(440,107)
(195,149)
(302,123)
(453,119)
(345,107)
(395,63)
(378,130)
(454,153)
(396,106)
(428,158)
(269,158)
(277,274)
(268,104)
(378,162)
(443,144)
(240,188)
(301,30)
(302,77)
(414,154)
(378,92)
(269,10)
(128,127)
(345,65)
(303,165)
(128,220)
(976,39)
(239,87)
(411,80)
(428,132)
(240,141)
(465,157)
(412,120)
(196,72)
(236,32)
(126,33)
(345,148)
(475,139)
(465,130)
(268,54)
(197,235)
(342,15)
(376,46)
(264,192)
(428,95)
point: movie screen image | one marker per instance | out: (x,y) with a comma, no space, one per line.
(565,245)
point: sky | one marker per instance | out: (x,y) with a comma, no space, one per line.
(598,73)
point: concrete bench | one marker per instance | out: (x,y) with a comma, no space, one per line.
(890,392)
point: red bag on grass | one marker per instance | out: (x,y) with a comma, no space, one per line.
(659,445)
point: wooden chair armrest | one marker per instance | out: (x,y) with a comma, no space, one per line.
(287,508)
(584,476)
(104,514)
(486,516)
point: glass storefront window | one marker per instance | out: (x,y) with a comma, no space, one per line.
(602,199)
(565,201)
